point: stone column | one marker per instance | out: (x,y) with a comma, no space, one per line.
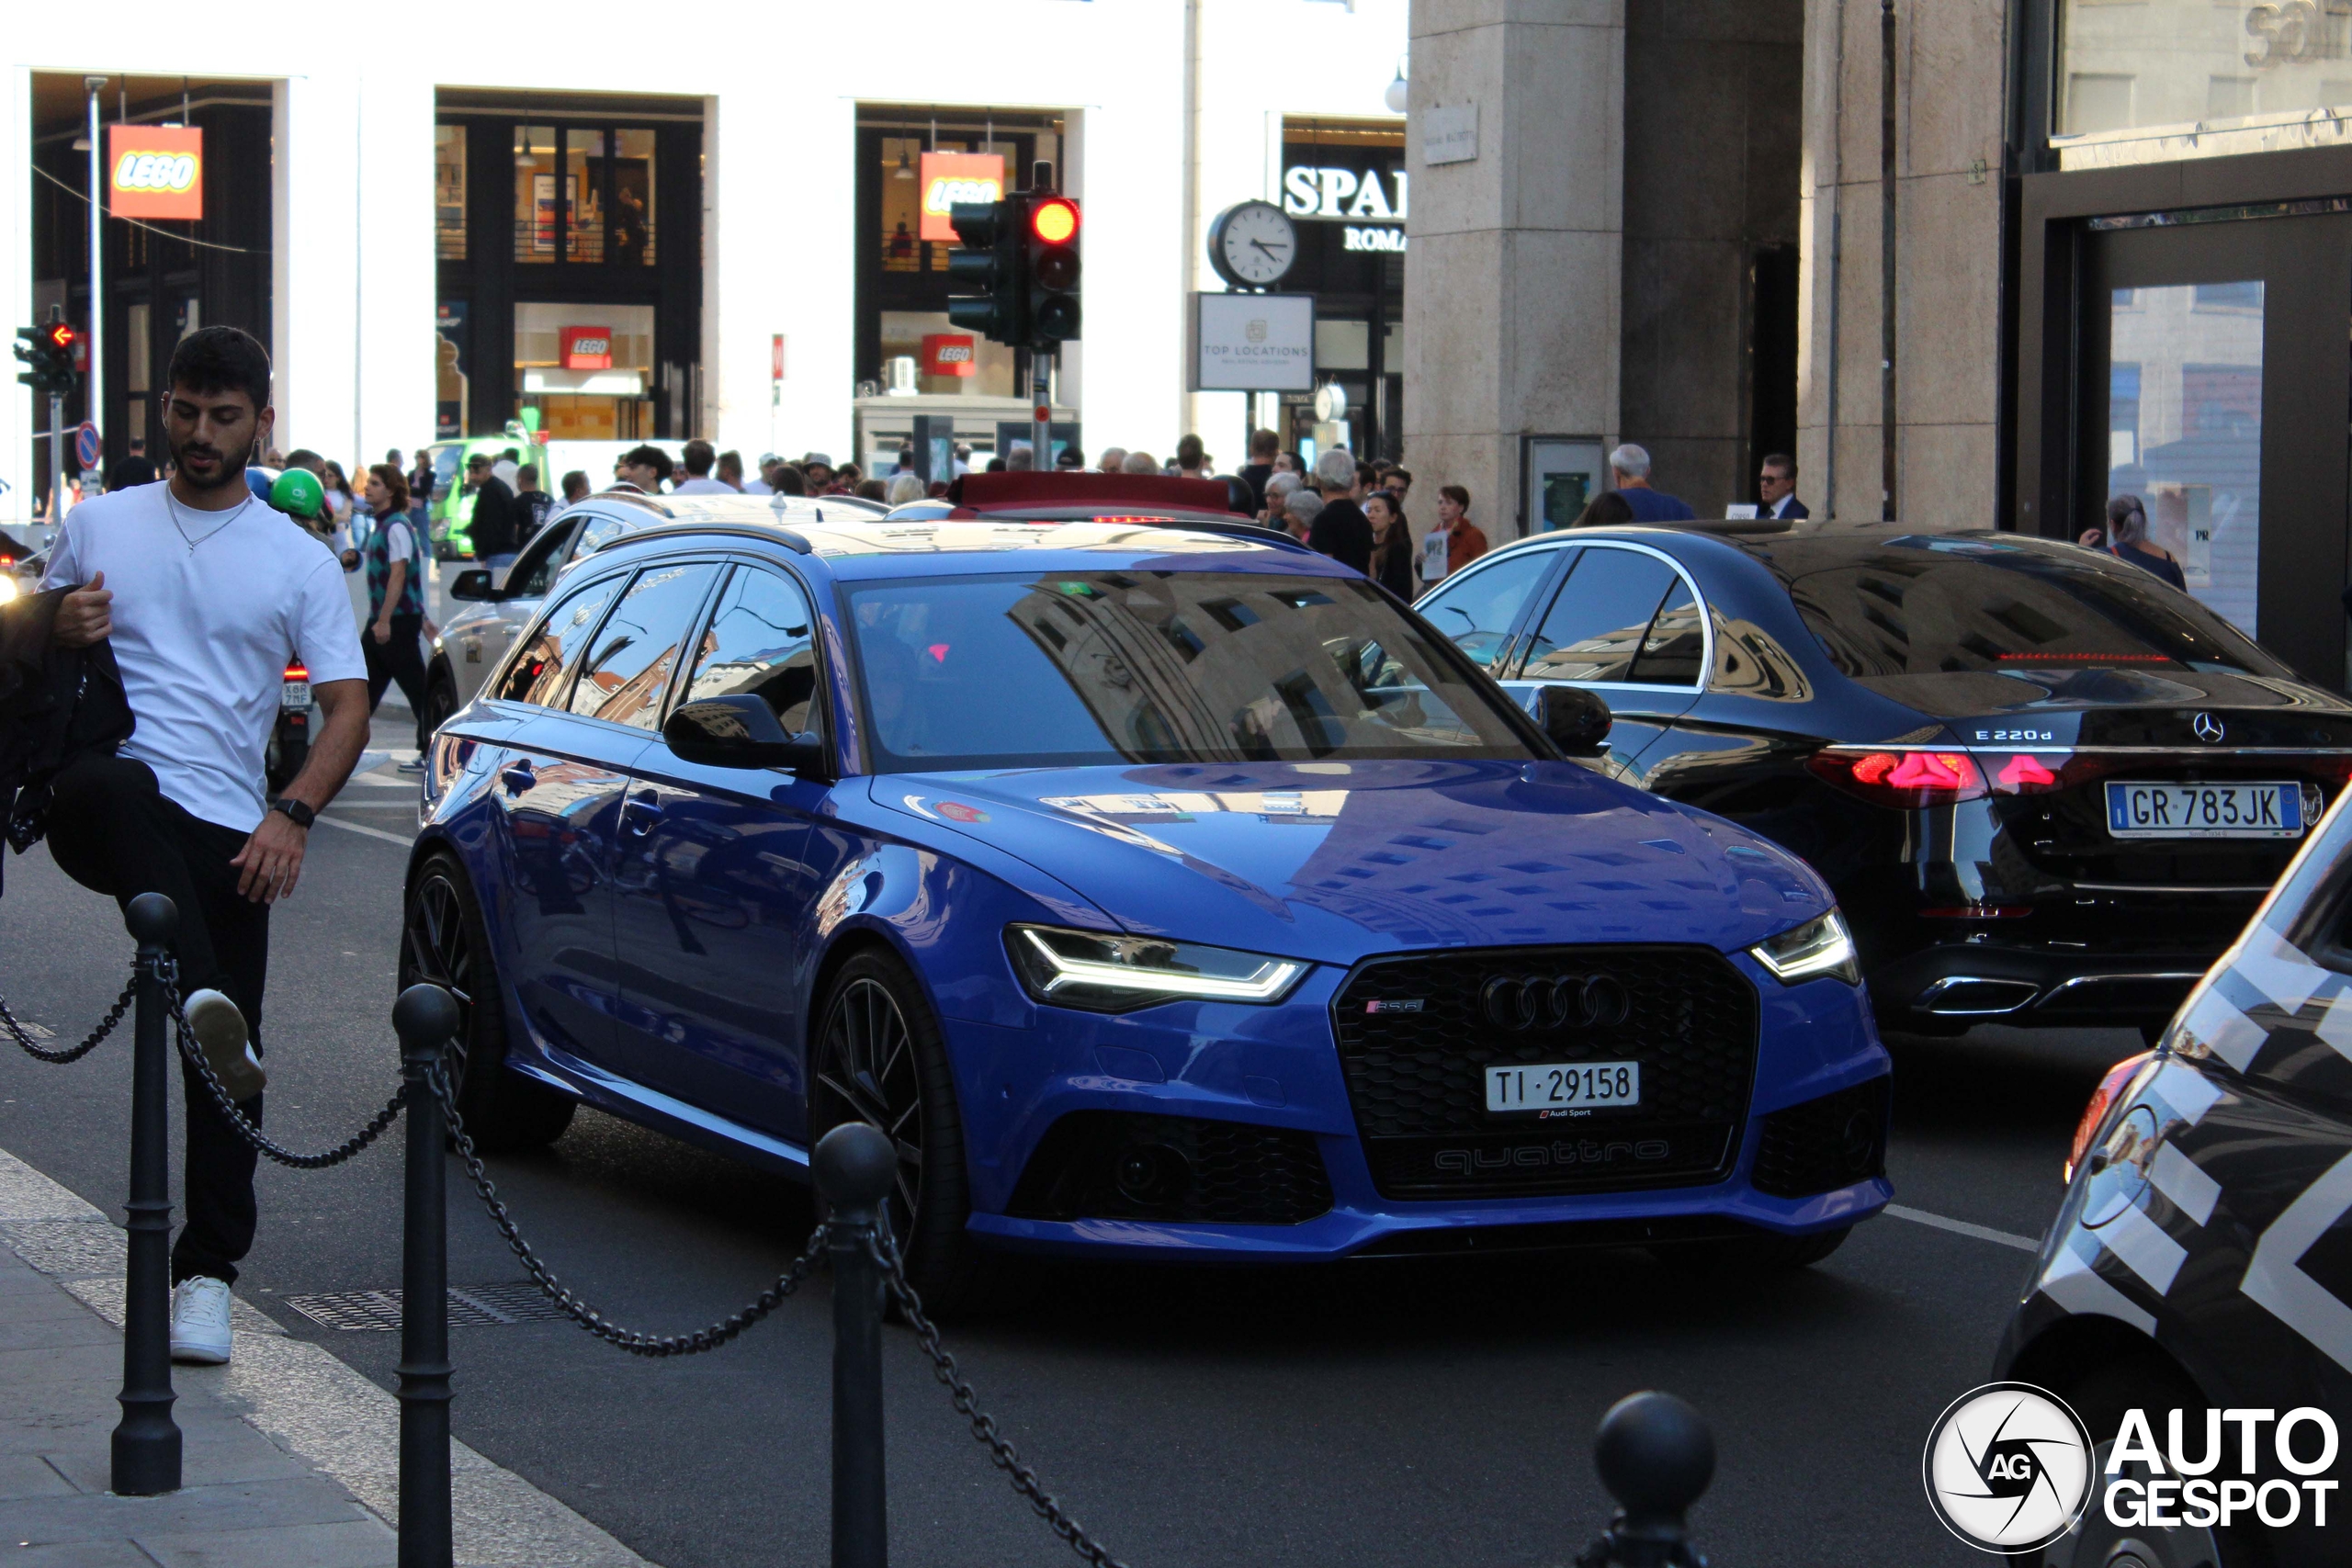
(1513,291)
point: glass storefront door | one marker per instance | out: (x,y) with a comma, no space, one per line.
(2213,382)
(2184,428)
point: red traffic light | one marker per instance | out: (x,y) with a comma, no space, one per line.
(62,335)
(1053,220)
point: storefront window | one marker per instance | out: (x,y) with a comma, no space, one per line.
(535,214)
(1344,185)
(449,191)
(2139,66)
(2184,431)
(631,215)
(587,368)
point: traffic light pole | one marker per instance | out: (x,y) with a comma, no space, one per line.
(1041,409)
(93,398)
(56,459)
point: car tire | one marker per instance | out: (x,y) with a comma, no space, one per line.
(877,1056)
(1752,1254)
(445,942)
(440,703)
(2101,1400)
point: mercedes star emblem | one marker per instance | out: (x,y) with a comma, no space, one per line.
(2209,728)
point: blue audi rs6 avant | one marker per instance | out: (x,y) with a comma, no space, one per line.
(1161,889)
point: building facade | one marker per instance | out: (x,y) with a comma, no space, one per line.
(1977,263)
(708,222)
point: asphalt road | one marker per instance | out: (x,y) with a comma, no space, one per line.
(1387,1414)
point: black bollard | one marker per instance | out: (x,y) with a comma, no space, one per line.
(147,1440)
(427,1017)
(855,1167)
(1655,1456)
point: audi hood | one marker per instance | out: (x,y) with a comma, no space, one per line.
(1334,860)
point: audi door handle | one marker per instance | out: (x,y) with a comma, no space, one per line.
(640,813)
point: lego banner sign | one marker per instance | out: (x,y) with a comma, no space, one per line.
(951,177)
(156,170)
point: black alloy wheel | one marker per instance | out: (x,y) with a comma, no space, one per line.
(880,1059)
(443,943)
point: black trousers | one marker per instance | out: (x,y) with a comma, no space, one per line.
(111,830)
(402,660)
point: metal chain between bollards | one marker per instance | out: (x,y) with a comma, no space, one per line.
(586,1316)
(193,1055)
(23,1036)
(984,1428)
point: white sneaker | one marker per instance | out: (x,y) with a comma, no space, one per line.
(200,1322)
(220,1030)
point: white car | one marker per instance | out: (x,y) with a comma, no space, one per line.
(470,645)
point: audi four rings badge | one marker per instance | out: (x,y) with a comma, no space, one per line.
(2209,728)
(1556,1001)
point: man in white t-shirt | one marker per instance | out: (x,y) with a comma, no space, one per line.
(205,594)
(700,458)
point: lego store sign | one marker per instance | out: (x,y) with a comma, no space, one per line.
(951,177)
(587,348)
(949,353)
(156,170)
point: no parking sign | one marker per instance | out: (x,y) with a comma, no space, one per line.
(86,449)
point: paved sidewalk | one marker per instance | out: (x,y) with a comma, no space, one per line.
(290,1456)
(246,1500)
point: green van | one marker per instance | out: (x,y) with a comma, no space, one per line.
(453,499)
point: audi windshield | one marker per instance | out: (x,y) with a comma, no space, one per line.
(1077,669)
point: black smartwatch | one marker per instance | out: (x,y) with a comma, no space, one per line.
(300,815)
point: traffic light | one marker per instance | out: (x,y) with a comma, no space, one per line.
(1050,242)
(48,354)
(991,258)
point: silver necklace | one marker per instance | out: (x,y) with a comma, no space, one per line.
(172,502)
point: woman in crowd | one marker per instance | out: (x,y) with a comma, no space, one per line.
(395,567)
(2127,539)
(904,487)
(1607,510)
(1455,542)
(1391,543)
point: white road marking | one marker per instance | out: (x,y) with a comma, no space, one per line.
(367,831)
(298,1396)
(1963,1227)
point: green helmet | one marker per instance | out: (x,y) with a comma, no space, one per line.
(298,493)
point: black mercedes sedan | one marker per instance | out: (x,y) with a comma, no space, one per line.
(2046,788)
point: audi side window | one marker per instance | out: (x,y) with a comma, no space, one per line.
(637,646)
(535,574)
(1477,608)
(1597,621)
(761,642)
(537,673)
(1673,652)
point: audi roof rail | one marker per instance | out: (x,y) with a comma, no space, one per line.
(775,533)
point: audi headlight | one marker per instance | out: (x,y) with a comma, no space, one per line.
(1816,947)
(1117,974)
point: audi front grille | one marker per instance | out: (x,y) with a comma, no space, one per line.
(1416,1034)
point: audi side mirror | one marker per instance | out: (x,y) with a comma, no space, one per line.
(1575,719)
(473,585)
(742,732)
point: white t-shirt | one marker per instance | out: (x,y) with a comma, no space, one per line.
(703,487)
(203,636)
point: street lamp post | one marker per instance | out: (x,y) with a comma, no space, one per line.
(93,399)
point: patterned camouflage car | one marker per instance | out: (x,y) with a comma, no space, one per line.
(2203,1261)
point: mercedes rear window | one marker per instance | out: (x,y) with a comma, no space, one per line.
(1922,604)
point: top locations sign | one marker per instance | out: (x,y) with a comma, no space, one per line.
(156,170)
(1253,342)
